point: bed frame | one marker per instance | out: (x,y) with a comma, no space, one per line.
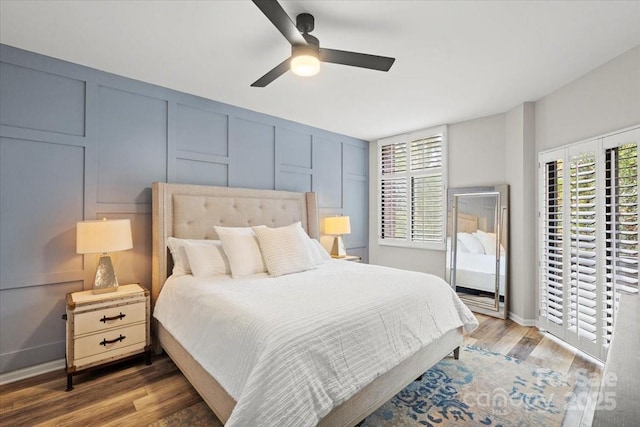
(190,212)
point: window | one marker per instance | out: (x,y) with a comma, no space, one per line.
(588,224)
(412,180)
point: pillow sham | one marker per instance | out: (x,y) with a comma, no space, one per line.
(461,247)
(318,253)
(242,249)
(207,260)
(285,249)
(472,243)
(488,241)
(180,260)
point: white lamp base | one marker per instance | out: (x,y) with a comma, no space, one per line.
(338,250)
(106,280)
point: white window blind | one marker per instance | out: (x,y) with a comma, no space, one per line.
(412,189)
(582,286)
(621,225)
(588,227)
(552,283)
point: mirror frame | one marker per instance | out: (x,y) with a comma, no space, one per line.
(499,308)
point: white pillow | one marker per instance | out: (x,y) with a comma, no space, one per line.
(243,252)
(461,247)
(207,261)
(285,249)
(488,241)
(472,243)
(318,253)
(180,261)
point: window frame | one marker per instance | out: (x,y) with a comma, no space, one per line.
(443,170)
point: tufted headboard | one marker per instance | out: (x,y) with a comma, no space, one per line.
(191,211)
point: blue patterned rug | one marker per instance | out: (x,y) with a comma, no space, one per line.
(482,388)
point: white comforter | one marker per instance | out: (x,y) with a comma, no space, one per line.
(289,349)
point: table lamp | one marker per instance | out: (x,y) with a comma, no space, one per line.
(337,226)
(101,237)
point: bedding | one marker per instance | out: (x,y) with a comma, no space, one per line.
(176,246)
(285,250)
(242,249)
(288,349)
(207,260)
(478,271)
(471,243)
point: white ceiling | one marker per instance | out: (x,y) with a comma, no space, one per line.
(454,60)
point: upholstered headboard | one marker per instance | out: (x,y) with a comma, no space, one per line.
(191,211)
(466,223)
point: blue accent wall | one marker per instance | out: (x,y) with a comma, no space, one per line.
(77,143)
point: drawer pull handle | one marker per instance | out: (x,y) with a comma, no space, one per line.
(106,319)
(105,341)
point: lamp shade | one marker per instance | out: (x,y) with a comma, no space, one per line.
(101,236)
(337,225)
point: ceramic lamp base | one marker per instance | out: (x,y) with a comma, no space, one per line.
(106,280)
(338,250)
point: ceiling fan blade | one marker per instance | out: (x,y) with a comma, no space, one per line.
(276,72)
(354,59)
(279,18)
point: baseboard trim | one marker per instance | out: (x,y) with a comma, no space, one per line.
(523,322)
(31,371)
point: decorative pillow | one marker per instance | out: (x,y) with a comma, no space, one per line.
(472,243)
(207,261)
(242,249)
(488,241)
(461,247)
(180,260)
(285,249)
(318,253)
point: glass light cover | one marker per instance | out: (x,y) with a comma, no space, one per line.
(305,65)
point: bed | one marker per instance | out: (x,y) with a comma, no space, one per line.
(191,212)
(476,257)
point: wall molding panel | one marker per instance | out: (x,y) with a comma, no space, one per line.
(78,143)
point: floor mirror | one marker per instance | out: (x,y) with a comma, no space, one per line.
(478,247)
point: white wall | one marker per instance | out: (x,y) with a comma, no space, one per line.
(520,172)
(504,148)
(603,100)
(476,157)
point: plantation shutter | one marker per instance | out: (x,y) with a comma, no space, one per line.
(551,271)
(588,234)
(412,190)
(427,189)
(393,191)
(621,230)
(582,286)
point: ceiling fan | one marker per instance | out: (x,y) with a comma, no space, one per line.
(306,53)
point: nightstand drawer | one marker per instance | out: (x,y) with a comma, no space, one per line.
(107,318)
(110,341)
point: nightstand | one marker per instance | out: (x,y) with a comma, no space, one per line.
(103,328)
(352,258)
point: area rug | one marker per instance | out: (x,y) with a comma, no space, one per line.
(481,388)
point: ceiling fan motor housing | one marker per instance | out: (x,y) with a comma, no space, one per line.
(305,23)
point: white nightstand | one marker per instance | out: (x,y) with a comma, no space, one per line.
(352,258)
(103,328)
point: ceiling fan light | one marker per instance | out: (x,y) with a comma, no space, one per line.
(305,65)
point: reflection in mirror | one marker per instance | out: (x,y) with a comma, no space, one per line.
(477,258)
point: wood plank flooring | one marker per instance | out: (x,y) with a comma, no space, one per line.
(133,394)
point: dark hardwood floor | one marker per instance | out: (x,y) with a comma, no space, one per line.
(133,394)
